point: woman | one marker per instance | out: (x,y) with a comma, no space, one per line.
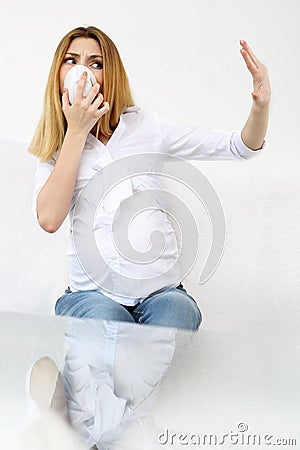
(73,141)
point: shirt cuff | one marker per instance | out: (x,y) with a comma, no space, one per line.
(244,151)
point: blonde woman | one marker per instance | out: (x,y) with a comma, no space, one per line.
(77,137)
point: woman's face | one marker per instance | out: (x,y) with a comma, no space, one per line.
(84,51)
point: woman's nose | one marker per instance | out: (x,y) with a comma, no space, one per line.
(83,62)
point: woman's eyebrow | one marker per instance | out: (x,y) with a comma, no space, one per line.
(90,56)
(96,56)
(72,54)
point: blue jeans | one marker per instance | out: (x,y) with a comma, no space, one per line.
(173,307)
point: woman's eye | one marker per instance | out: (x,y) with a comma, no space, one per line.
(97,65)
(69,61)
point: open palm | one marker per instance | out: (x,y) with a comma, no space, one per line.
(261,84)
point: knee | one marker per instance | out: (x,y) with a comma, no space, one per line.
(189,313)
(91,305)
(176,310)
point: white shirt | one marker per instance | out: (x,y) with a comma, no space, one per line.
(138,132)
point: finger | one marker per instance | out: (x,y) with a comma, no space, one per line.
(93,93)
(97,101)
(65,99)
(104,109)
(250,52)
(249,62)
(101,109)
(255,96)
(80,88)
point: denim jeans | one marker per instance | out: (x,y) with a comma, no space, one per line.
(173,307)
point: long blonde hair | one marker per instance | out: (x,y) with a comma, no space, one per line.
(50,132)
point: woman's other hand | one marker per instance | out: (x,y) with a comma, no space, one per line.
(261,84)
(255,128)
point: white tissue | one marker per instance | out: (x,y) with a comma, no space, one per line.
(72,78)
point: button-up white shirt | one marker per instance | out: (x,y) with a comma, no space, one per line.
(139,132)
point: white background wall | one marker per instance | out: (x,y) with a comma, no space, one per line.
(183,60)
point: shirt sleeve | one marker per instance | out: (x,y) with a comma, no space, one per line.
(42,173)
(205,144)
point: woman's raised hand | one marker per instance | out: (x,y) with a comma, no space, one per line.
(261,84)
(85,111)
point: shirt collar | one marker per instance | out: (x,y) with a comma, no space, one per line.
(92,140)
(130,109)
